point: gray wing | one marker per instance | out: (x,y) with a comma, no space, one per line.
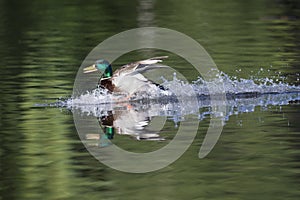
(140,66)
(143,63)
(146,65)
(144,68)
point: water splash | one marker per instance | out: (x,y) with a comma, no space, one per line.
(232,87)
(242,95)
(235,86)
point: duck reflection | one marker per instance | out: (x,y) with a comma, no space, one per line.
(128,121)
(132,119)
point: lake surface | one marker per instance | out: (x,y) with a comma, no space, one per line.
(42,47)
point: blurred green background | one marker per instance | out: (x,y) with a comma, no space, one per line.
(42,44)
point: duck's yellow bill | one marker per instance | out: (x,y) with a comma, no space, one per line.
(89,69)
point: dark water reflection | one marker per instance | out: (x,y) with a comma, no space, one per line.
(42,46)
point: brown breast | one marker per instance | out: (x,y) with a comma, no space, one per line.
(107,83)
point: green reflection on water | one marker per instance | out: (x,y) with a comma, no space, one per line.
(42,46)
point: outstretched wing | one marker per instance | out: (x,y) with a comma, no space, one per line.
(151,61)
(145,68)
(140,66)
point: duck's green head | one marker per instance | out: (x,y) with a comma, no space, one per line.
(103,66)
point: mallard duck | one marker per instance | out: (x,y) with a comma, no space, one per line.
(128,78)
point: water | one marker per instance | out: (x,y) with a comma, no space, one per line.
(42,46)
